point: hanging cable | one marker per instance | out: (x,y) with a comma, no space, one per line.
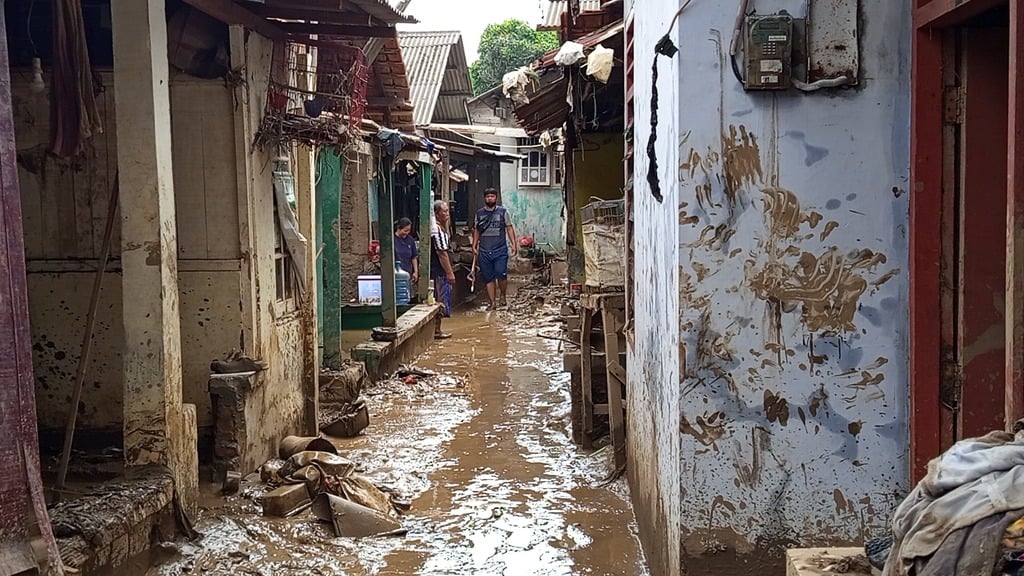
(664,47)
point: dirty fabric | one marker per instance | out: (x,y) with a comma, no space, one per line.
(974,480)
(295,242)
(392,140)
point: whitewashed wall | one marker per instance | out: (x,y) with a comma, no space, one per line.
(792,286)
(653,361)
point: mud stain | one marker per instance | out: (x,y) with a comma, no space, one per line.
(776,408)
(830,226)
(707,429)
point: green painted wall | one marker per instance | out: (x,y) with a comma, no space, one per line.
(537,212)
(328,210)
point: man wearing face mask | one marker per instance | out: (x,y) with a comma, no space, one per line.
(493,236)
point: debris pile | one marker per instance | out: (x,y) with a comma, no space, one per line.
(343,414)
(413,382)
(317,479)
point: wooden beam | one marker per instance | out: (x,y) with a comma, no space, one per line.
(941,13)
(304,28)
(230,13)
(285,12)
(925,248)
(1014,388)
(386,236)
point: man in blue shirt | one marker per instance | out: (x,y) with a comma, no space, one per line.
(493,236)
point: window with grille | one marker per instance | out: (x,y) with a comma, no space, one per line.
(540,167)
(284,269)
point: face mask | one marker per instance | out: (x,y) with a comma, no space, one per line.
(491,203)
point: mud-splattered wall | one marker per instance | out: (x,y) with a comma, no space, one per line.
(653,394)
(792,220)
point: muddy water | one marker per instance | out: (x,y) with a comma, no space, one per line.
(497,486)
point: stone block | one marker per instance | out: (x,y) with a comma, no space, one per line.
(229,393)
(285,500)
(827,561)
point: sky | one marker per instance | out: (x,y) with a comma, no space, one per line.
(470,17)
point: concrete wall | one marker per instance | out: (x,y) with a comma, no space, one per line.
(354,231)
(652,397)
(792,287)
(276,333)
(64,224)
(225,250)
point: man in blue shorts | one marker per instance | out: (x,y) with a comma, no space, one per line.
(493,236)
(441,265)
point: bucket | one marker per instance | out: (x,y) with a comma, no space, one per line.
(292,445)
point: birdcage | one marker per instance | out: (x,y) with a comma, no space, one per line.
(604,243)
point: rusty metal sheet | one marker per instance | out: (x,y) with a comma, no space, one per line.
(833,49)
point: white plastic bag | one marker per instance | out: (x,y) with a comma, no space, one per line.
(600,63)
(570,53)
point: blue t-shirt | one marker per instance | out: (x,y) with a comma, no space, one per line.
(406,250)
(492,224)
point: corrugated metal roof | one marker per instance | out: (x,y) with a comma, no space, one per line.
(553,12)
(438,75)
(383,11)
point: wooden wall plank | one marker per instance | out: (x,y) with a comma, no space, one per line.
(189,188)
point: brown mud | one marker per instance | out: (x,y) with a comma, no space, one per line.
(496,484)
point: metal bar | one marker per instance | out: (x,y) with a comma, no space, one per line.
(386,235)
(940,13)
(925,248)
(1014,385)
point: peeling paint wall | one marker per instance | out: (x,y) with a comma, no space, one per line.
(792,288)
(652,397)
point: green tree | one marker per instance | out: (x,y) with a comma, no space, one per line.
(505,47)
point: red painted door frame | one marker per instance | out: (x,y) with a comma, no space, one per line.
(930,17)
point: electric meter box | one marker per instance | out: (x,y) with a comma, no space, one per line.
(768,52)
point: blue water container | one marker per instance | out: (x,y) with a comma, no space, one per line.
(403,285)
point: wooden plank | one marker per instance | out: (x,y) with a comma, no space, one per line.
(230,13)
(586,375)
(189,188)
(942,13)
(24,517)
(1014,387)
(86,188)
(346,30)
(221,203)
(982,212)
(64,196)
(307,14)
(103,177)
(950,369)
(616,377)
(925,248)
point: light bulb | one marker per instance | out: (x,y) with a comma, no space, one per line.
(37,85)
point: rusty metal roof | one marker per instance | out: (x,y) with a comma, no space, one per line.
(552,18)
(548,108)
(614,30)
(438,75)
(383,10)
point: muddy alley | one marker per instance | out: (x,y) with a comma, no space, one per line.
(484,454)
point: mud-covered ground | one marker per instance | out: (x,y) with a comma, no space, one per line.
(497,486)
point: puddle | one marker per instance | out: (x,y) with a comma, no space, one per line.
(497,486)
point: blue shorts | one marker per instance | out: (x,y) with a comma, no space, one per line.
(493,265)
(443,294)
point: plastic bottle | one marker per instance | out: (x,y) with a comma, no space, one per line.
(403,282)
